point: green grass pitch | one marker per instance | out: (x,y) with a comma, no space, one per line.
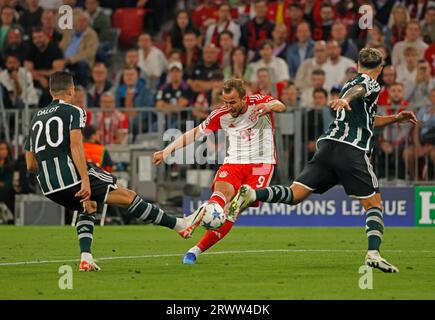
(144,262)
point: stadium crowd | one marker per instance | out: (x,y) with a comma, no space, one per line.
(300,51)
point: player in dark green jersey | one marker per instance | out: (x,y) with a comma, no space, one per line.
(342,156)
(54,150)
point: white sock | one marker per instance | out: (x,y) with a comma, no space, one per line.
(87,256)
(195,250)
(180,225)
(373,252)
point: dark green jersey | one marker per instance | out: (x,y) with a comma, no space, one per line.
(49,140)
(355,127)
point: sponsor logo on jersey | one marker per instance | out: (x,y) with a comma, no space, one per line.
(223,174)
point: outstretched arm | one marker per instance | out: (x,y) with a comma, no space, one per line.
(262,109)
(404,116)
(182,141)
(354,93)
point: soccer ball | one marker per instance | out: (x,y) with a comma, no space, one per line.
(214,217)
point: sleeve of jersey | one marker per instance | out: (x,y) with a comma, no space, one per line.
(78,118)
(257,99)
(211,124)
(370,86)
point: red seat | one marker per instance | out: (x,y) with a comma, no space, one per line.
(130,21)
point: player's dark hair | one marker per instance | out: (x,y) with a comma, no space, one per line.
(370,58)
(234,84)
(61,81)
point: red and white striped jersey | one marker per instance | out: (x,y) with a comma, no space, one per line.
(251,138)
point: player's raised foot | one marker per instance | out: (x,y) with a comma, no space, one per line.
(192,222)
(374,260)
(88,266)
(189,258)
(244,197)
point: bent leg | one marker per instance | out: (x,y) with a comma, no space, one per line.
(85,229)
(374,221)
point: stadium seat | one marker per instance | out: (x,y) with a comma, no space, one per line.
(130,22)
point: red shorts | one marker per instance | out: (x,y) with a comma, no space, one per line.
(257,175)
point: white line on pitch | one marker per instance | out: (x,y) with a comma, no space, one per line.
(206,253)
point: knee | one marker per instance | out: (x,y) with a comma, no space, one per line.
(90,207)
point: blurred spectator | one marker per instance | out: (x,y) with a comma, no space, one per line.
(296,16)
(412,39)
(279,36)
(239,67)
(417,91)
(81,99)
(428,26)
(7,194)
(264,84)
(417,8)
(152,61)
(42,58)
(112,124)
(407,71)
(339,34)
(7,20)
(182,24)
(313,125)
(375,38)
(258,29)
(131,59)
(133,92)
(423,139)
(277,11)
(226,48)
(201,79)
(392,138)
(31,16)
(205,14)
(48,25)
(388,78)
(175,95)
(223,23)
(322,31)
(317,82)
(17,82)
(278,68)
(383,10)
(347,12)
(350,73)
(192,52)
(95,151)
(303,75)
(101,23)
(301,50)
(80,47)
(51,4)
(336,66)
(395,31)
(100,84)
(290,96)
(429,55)
(14,44)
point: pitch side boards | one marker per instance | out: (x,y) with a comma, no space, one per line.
(403,206)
